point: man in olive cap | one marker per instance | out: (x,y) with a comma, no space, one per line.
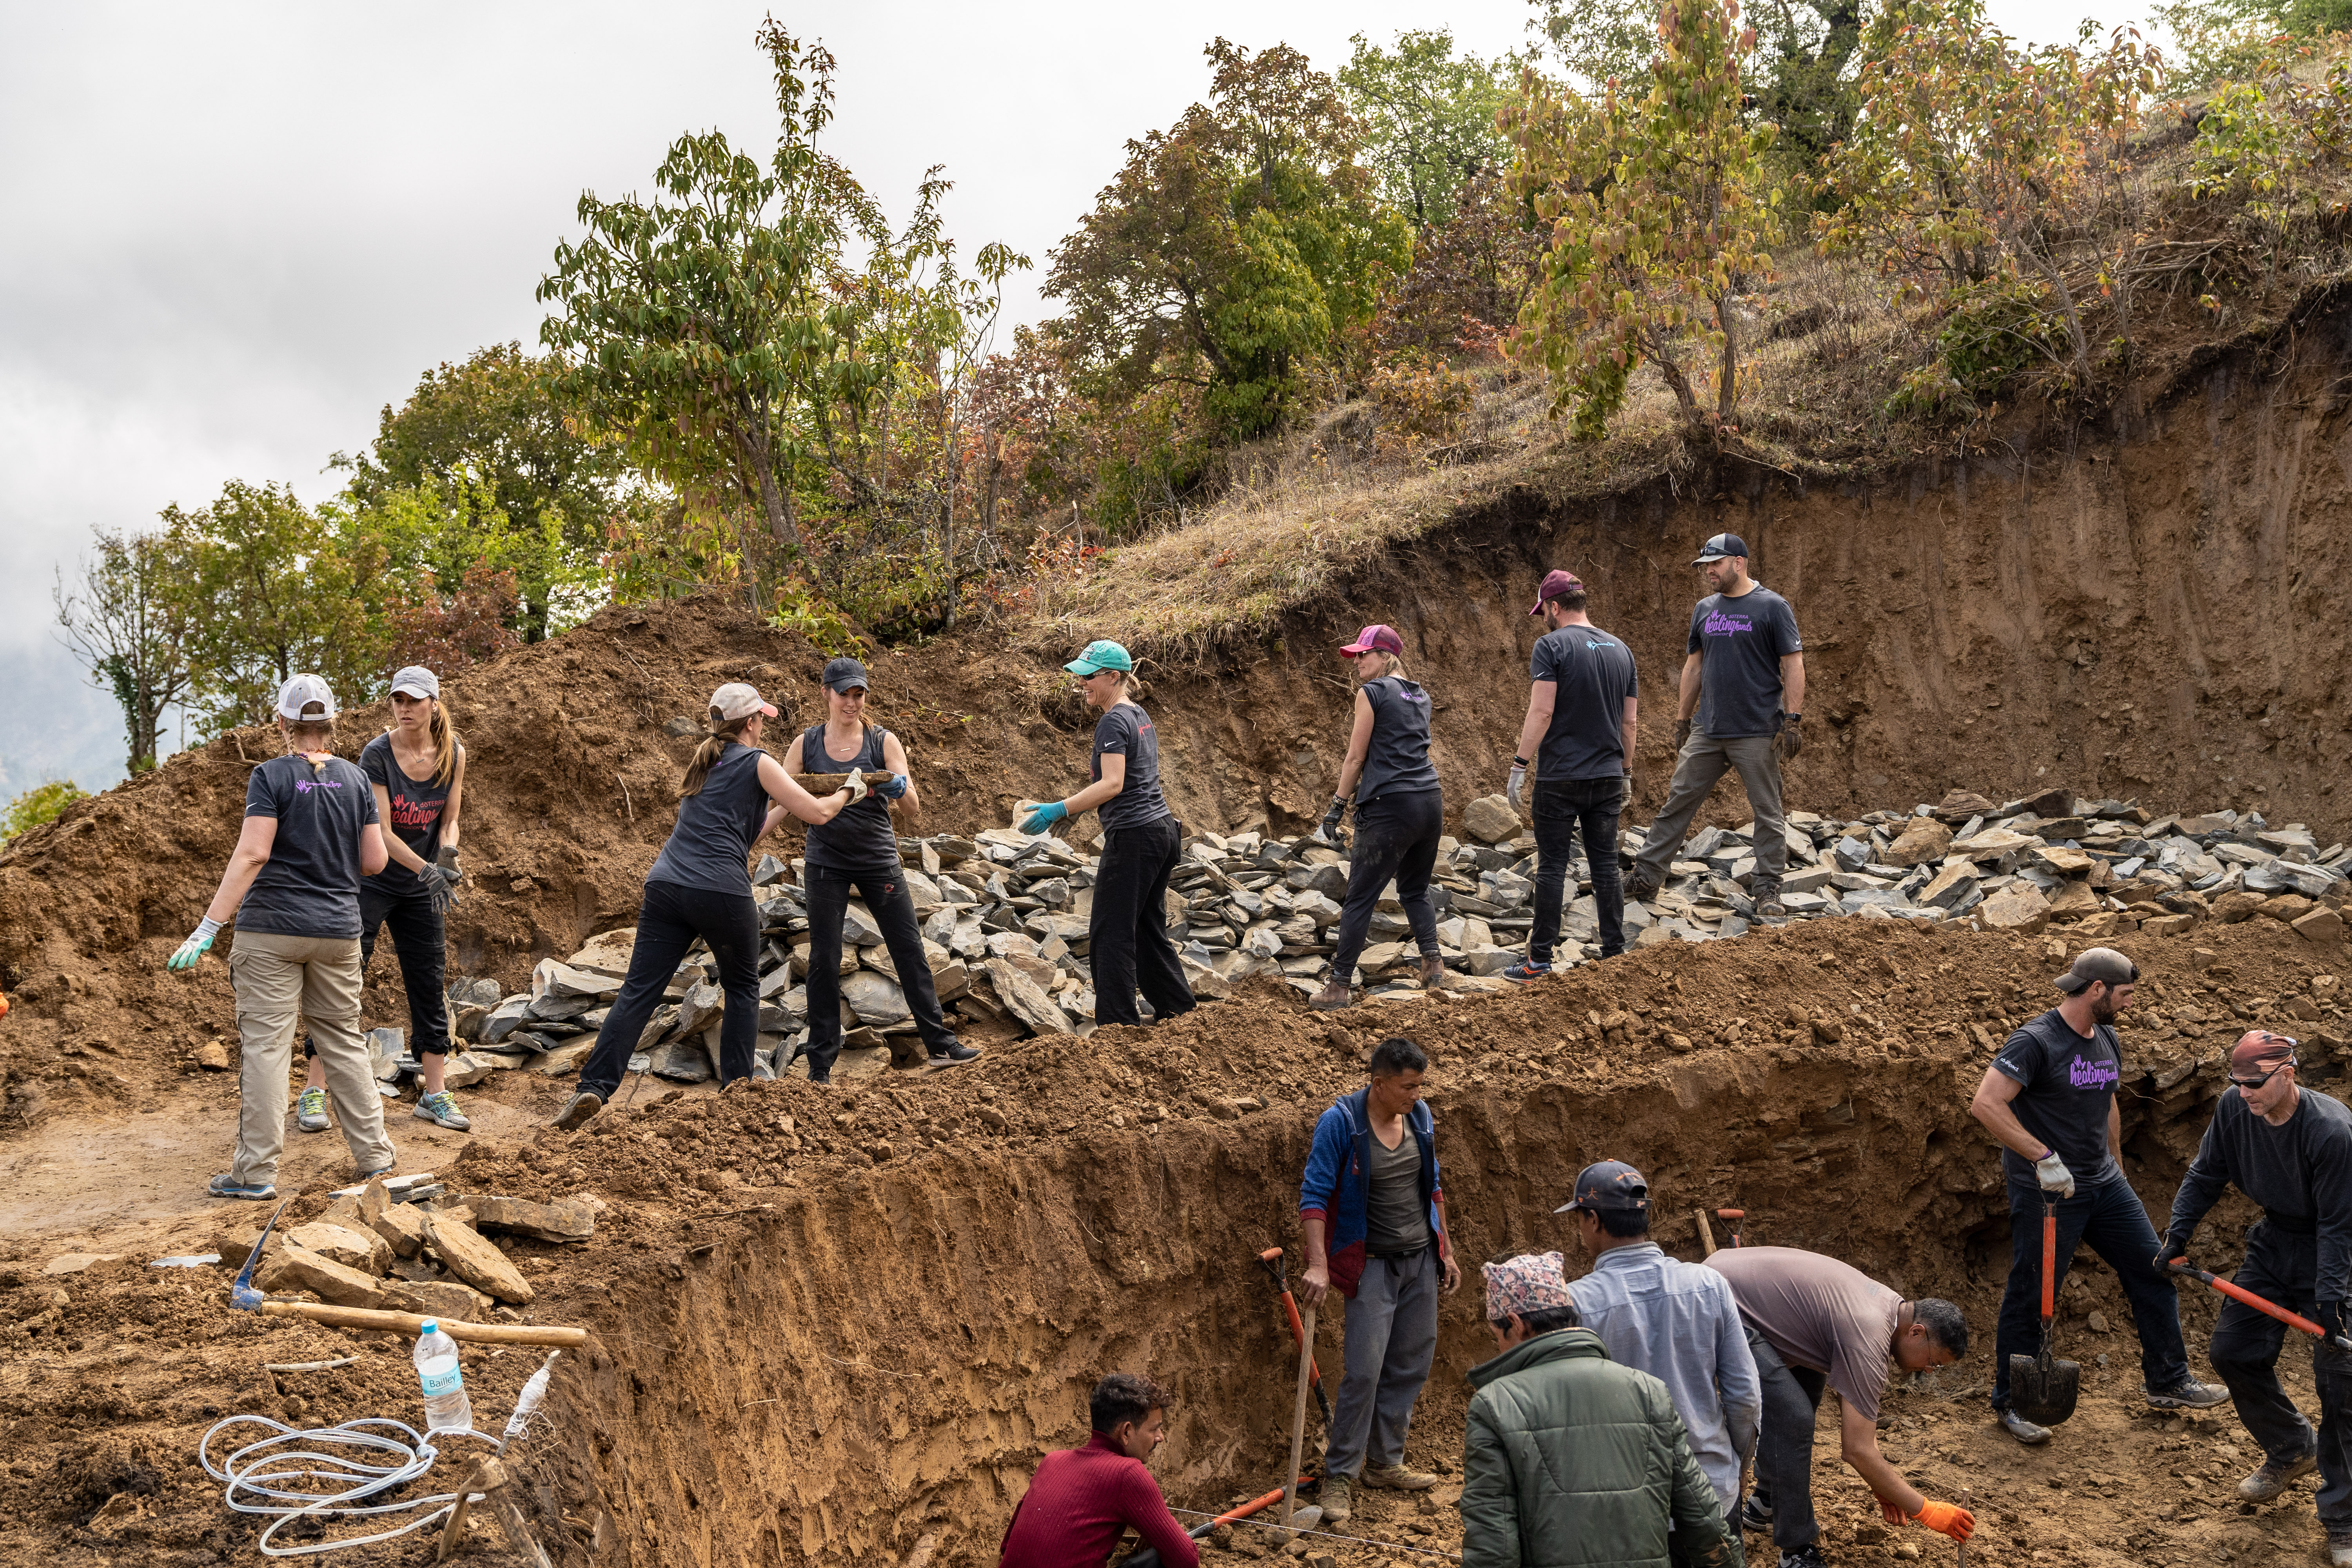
(2048,1097)
(2290,1150)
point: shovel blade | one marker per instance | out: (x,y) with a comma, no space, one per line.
(2042,1389)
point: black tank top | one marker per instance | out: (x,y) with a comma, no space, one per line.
(716,826)
(862,838)
(1398,761)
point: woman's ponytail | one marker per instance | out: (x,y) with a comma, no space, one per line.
(716,736)
(444,744)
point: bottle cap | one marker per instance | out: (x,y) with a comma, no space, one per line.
(428,1327)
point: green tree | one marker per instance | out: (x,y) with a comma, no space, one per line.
(1429,120)
(41,804)
(1598,41)
(1235,250)
(1804,77)
(494,421)
(127,618)
(1657,209)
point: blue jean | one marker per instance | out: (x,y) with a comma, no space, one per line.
(1560,810)
(1784,1442)
(2109,1215)
(1391,1339)
(2282,1268)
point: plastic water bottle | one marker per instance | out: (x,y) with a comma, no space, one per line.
(534,1391)
(447,1408)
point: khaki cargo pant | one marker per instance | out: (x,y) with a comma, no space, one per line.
(276,978)
(1703,762)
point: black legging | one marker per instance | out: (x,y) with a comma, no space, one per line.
(420,941)
(894,911)
(1127,936)
(1396,836)
(670,916)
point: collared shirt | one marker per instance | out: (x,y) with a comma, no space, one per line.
(1677,1321)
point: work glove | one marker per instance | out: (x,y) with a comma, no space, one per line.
(1681,734)
(1519,782)
(2054,1175)
(2175,1249)
(2331,1317)
(896,786)
(856,785)
(441,886)
(199,942)
(1945,1519)
(1045,817)
(446,858)
(1792,738)
(1330,828)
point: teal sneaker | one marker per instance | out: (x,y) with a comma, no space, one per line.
(228,1187)
(441,1109)
(310,1111)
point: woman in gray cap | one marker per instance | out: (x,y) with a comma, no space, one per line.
(859,849)
(416,770)
(700,886)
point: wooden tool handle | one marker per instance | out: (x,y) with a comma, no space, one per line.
(1298,1413)
(825,784)
(413,1322)
(1705,1235)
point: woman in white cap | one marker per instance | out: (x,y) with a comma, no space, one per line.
(416,770)
(1127,934)
(700,886)
(1400,813)
(292,885)
(859,849)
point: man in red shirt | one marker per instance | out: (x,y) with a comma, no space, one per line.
(1083,1499)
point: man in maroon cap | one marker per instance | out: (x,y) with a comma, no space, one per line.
(1578,737)
(2290,1150)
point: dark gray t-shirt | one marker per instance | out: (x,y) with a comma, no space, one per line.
(2068,1084)
(1593,674)
(1740,643)
(710,848)
(1125,732)
(1396,1223)
(416,811)
(862,837)
(311,885)
(2301,1173)
(1397,761)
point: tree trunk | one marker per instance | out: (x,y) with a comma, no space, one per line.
(1727,393)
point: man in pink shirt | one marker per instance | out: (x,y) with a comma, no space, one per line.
(1083,1499)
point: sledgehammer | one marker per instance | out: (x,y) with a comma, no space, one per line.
(1271,1259)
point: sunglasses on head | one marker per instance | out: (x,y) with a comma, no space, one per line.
(2259,1082)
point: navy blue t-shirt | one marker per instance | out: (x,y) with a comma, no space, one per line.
(1125,732)
(2068,1084)
(710,848)
(311,885)
(1591,673)
(1740,643)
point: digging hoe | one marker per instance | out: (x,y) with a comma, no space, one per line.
(1271,1259)
(242,1295)
(1300,1519)
(2040,1388)
(2240,1293)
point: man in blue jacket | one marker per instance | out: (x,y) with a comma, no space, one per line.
(1375,1221)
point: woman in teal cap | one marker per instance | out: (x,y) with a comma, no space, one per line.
(1126,939)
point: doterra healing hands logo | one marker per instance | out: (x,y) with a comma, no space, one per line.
(304,786)
(1719,625)
(2091,1074)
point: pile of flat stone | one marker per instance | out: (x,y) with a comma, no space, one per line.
(1004,917)
(409,1245)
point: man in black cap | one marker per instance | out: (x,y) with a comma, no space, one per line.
(1579,733)
(2050,1098)
(2290,1150)
(1743,694)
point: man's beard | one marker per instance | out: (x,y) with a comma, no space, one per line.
(2103,1011)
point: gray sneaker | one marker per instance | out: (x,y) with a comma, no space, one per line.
(578,1110)
(2029,1433)
(310,1111)
(1767,895)
(2188,1394)
(441,1109)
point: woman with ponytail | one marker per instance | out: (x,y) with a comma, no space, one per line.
(416,771)
(700,886)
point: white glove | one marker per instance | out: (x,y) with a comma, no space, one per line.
(2054,1175)
(857,786)
(1519,780)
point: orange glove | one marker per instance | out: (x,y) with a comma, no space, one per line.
(1947,1519)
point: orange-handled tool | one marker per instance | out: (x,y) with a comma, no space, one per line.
(1271,1259)
(1735,1216)
(2240,1293)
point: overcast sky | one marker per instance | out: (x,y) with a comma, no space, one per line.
(233,232)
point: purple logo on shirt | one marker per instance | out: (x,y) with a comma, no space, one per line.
(1719,625)
(2091,1074)
(304,786)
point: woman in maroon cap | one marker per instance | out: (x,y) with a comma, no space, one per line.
(1399,812)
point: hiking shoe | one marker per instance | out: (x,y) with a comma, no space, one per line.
(1334,995)
(1756,1513)
(578,1110)
(1640,889)
(2274,1476)
(367,1176)
(1433,973)
(2019,1427)
(1767,897)
(441,1109)
(1334,1499)
(1397,1478)
(2339,1548)
(310,1111)
(954,1054)
(2190,1394)
(1528,972)
(1804,1557)
(228,1187)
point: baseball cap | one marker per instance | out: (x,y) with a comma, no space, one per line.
(416,681)
(1100,655)
(737,700)
(1375,639)
(2098,964)
(841,674)
(1721,545)
(2258,1048)
(1610,1184)
(299,691)
(1528,1283)
(1556,585)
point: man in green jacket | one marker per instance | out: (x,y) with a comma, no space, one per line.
(1570,1459)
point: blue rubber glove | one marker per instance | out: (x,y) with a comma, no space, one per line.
(199,942)
(1045,817)
(898,785)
